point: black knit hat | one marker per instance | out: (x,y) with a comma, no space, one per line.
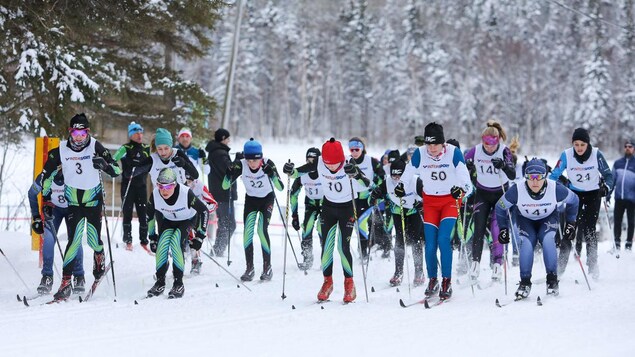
(313,153)
(397,167)
(393,155)
(454,142)
(433,134)
(79,121)
(581,134)
(221,134)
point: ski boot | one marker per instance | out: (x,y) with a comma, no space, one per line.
(420,279)
(349,290)
(524,288)
(446,289)
(326,289)
(474,270)
(177,290)
(65,290)
(552,284)
(307,253)
(267,272)
(249,273)
(99,264)
(79,284)
(46,284)
(158,288)
(396,279)
(497,272)
(127,236)
(433,287)
(196,267)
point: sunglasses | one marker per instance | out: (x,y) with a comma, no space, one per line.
(78,132)
(628,146)
(355,149)
(167,186)
(490,140)
(535,177)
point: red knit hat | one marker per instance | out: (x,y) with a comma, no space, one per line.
(332,152)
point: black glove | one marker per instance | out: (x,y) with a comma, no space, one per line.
(604,190)
(153,242)
(564,180)
(179,161)
(351,170)
(239,156)
(470,166)
(288,168)
(418,205)
(400,191)
(37,225)
(100,163)
(295,222)
(503,236)
(456,191)
(268,170)
(498,163)
(376,194)
(569,231)
(197,242)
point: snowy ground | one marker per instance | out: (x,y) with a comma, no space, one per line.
(233,321)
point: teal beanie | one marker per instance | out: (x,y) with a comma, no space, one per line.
(163,137)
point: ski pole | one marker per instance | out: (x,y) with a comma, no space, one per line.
(286,232)
(359,236)
(461,232)
(608,221)
(226,271)
(229,217)
(123,201)
(403,236)
(112,263)
(577,256)
(16,272)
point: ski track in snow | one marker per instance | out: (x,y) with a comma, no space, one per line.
(233,321)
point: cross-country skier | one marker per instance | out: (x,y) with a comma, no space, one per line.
(259,176)
(492,165)
(176,211)
(445,178)
(81,158)
(590,178)
(202,193)
(54,210)
(409,198)
(133,183)
(536,203)
(337,212)
(624,174)
(313,192)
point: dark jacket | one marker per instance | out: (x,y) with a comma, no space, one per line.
(219,160)
(130,154)
(624,174)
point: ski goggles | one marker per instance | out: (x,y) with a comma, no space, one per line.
(79,132)
(490,140)
(535,177)
(166,186)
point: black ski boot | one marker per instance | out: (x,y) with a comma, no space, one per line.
(158,288)
(65,290)
(433,287)
(79,284)
(177,290)
(446,289)
(249,273)
(267,272)
(127,236)
(46,284)
(99,264)
(524,288)
(552,284)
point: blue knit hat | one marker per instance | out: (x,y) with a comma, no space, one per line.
(163,137)
(134,128)
(252,150)
(536,166)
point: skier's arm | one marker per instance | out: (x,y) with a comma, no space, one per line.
(560,167)
(295,193)
(605,171)
(188,165)
(378,170)
(50,167)
(113,168)
(569,199)
(510,168)
(463,175)
(275,178)
(232,174)
(33,192)
(150,213)
(202,216)
(304,169)
(504,204)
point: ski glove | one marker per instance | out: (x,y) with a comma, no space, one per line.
(295,222)
(352,171)
(268,170)
(376,194)
(503,236)
(470,166)
(100,163)
(288,168)
(178,161)
(418,205)
(37,225)
(498,163)
(153,242)
(400,191)
(239,156)
(569,231)
(456,192)
(197,242)
(604,190)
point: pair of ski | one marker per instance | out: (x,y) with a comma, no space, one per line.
(499,304)
(87,297)
(428,302)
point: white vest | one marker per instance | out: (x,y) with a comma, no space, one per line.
(438,175)
(411,192)
(366,167)
(312,188)
(177,212)
(337,186)
(537,209)
(585,176)
(256,184)
(57,195)
(486,174)
(78,167)
(158,165)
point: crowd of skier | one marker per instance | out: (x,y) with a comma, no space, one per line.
(435,197)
